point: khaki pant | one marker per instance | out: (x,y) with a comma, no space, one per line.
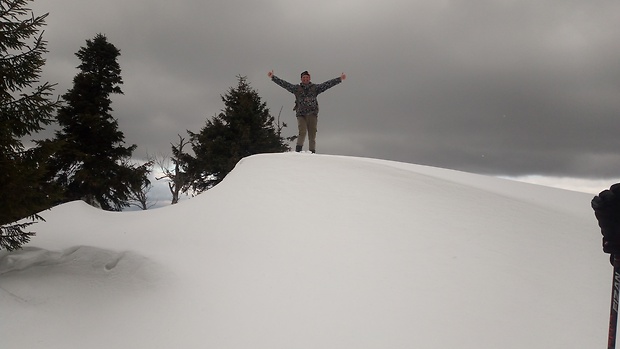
(307,125)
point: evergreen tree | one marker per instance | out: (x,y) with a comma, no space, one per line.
(25,106)
(244,127)
(92,163)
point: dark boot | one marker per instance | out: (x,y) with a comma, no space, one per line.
(298,148)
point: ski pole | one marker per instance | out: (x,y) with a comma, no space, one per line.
(615,295)
(606,207)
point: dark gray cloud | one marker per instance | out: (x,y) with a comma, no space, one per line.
(495,87)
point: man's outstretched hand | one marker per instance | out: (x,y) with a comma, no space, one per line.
(270,74)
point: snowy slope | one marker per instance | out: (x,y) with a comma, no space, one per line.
(316,251)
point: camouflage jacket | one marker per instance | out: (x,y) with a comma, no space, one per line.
(305,95)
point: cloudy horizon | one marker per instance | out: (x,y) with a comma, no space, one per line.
(503,88)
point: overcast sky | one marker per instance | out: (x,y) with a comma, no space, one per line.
(498,87)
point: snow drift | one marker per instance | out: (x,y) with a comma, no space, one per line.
(316,251)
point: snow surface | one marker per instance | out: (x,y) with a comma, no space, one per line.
(317,251)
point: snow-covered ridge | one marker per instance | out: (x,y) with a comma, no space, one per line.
(305,251)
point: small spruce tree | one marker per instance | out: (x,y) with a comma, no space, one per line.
(243,128)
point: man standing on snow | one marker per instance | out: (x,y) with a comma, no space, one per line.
(306,105)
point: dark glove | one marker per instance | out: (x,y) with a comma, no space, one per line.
(606,207)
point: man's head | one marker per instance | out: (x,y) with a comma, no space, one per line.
(305,77)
